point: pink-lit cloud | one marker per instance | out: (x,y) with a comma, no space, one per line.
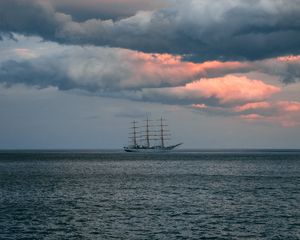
(218,87)
(289,106)
(167,69)
(290,58)
(252,105)
(285,113)
(251,117)
(199,106)
(225,91)
(231,88)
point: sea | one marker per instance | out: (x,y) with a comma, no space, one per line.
(188,194)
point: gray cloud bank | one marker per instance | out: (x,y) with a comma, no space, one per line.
(103,9)
(108,70)
(128,74)
(201,30)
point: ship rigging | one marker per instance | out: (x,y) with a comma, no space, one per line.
(142,137)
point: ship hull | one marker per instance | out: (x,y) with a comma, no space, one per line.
(146,150)
(151,150)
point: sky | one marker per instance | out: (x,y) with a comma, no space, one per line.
(74,74)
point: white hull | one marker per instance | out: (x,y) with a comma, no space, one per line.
(145,150)
(157,149)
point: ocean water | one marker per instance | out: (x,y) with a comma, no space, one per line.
(182,195)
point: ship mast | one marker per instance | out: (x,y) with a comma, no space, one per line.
(150,132)
(147,133)
(162,133)
(134,137)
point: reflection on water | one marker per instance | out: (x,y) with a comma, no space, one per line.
(95,195)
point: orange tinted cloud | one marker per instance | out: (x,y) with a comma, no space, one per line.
(231,89)
(252,105)
(284,121)
(199,85)
(172,70)
(199,106)
(251,116)
(285,113)
(291,58)
(289,106)
(216,93)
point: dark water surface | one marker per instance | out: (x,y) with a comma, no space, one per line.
(183,195)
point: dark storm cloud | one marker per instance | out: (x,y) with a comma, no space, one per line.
(105,9)
(223,29)
(28,18)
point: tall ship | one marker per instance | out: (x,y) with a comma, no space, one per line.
(150,138)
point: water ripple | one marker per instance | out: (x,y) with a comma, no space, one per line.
(176,196)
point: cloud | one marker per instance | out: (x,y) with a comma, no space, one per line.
(289,106)
(252,105)
(25,53)
(103,9)
(251,117)
(105,69)
(285,113)
(225,29)
(288,113)
(199,106)
(224,91)
(276,106)
(230,89)
(212,87)
(287,68)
